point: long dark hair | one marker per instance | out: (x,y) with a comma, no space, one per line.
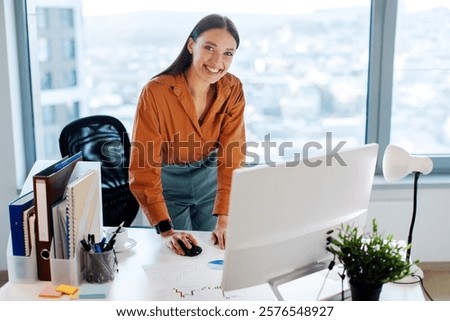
(213,21)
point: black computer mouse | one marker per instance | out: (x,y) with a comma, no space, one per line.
(193,251)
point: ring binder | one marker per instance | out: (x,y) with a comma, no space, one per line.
(49,186)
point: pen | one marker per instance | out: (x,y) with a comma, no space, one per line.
(103,244)
(118,228)
(86,246)
(91,239)
(109,245)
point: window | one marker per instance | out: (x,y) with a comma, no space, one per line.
(420,112)
(73,111)
(66,18)
(44,50)
(305,74)
(46,81)
(70,78)
(313,60)
(316,72)
(42,18)
(68,48)
(49,115)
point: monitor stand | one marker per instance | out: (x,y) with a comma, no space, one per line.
(296,274)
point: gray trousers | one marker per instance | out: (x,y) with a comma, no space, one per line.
(190,192)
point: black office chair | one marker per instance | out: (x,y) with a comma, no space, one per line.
(104,139)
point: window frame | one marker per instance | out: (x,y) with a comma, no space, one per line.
(379,83)
(26,93)
(380,79)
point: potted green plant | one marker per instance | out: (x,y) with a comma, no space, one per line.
(369,260)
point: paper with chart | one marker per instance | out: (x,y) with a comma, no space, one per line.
(197,278)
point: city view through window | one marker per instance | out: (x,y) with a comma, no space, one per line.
(420,111)
(304,71)
(303,75)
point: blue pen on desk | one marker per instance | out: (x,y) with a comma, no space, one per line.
(215,264)
(103,244)
(97,247)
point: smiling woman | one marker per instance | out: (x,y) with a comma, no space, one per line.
(187,118)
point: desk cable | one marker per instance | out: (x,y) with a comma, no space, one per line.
(330,267)
(341,275)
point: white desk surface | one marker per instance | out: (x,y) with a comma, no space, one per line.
(150,271)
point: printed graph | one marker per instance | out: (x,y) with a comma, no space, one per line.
(164,275)
(205,293)
(197,280)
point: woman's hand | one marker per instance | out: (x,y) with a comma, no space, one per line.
(172,238)
(219,234)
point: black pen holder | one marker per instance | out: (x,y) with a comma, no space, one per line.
(101,267)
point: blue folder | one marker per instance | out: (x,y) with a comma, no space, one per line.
(16,211)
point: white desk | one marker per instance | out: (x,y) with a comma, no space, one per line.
(150,271)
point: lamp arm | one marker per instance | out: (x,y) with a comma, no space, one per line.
(413,219)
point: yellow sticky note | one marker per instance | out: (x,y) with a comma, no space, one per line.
(75,296)
(67,289)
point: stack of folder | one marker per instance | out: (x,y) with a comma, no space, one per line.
(63,205)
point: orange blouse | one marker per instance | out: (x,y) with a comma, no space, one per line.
(166,131)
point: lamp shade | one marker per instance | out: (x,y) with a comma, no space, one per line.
(397,163)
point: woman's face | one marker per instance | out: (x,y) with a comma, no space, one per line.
(212,54)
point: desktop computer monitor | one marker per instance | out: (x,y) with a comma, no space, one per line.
(280,215)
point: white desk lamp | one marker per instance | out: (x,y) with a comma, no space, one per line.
(398,163)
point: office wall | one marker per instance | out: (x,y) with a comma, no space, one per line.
(391,205)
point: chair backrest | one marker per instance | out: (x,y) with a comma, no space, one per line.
(104,139)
